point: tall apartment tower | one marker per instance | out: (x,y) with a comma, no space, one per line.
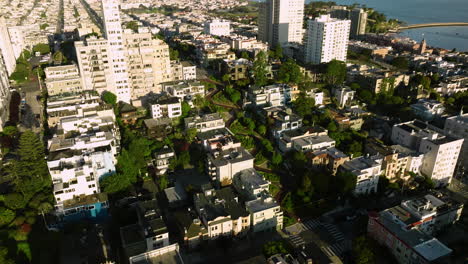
(358,17)
(280,21)
(148,62)
(6,48)
(4,94)
(326,39)
(114,35)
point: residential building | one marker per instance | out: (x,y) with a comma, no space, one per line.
(189,71)
(6,48)
(357,16)
(225,160)
(236,69)
(190,226)
(344,96)
(217,27)
(280,21)
(221,213)
(440,151)
(168,255)
(367,171)
(427,109)
(5,94)
(285,143)
(406,245)
(218,139)
(312,143)
(166,106)
(17,40)
(118,60)
(376,80)
(285,121)
(327,158)
(397,160)
(76,106)
(457,126)
(185,90)
(158,127)
(265,214)
(81,153)
(250,184)
(149,233)
(272,95)
(453,84)
(162,158)
(64,79)
(148,62)
(204,122)
(326,39)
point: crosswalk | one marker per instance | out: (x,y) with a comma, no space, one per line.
(311,224)
(340,244)
(297,241)
(335,233)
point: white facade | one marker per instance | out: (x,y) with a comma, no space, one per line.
(63,79)
(17,40)
(205,123)
(118,60)
(344,96)
(265,214)
(5,94)
(170,107)
(280,21)
(457,126)
(441,152)
(6,48)
(185,89)
(217,28)
(326,39)
(367,170)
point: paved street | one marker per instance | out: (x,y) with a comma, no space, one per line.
(31,112)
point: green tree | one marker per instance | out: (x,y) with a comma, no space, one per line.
(109,98)
(276,159)
(190,134)
(6,216)
(245,55)
(332,126)
(335,72)
(4,259)
(173,54)
(10,131)
(163,182)
(185,109)
(277,52)
(43,26)
(58,57)
(260,69)
(290,72)
(303,105)
(14,201)
(345,182)
(133,25)
(400,63)
(41,48)
(274,247)
(362,251)
(30,173)
(261,129)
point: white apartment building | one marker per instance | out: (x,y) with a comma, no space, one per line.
(280,21)
(118,60)
(326,39)
(63,79)
(440,151)
(166,107)
(6,47)
(457,126)
(250,184)
(148,62)
(265,214)
(94,62)
(205,122)
(5,94)
(273,95)
(313,142)
(76,106)
(17,40)
(185,90)
(344,96)
(367,170)
(217,27)
(183,71)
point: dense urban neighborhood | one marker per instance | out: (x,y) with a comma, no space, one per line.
(222,131)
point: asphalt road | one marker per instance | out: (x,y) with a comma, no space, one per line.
(32,107)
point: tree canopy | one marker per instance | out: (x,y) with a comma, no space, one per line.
(260,69)
(289,72)
(335,73)
(41,48)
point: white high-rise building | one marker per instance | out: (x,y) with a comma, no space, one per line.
(280,21)
(6,48)
(457,126)
(118,60)
(326,39)
(440,151)
(4,94)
